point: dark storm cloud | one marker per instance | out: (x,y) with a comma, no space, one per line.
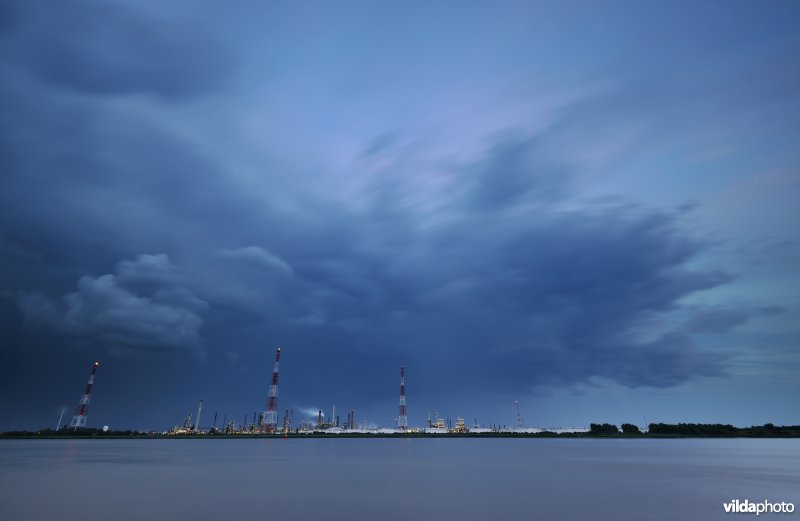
(200,220)
(250,280)
(544,294)
(509,275)
(140,309)
(100,47)
(504,284)
(536,293)
(111,176)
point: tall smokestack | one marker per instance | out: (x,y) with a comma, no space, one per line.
(271,417)
(79,420)
(402,417)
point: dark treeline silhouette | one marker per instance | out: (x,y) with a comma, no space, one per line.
(629,428)
(717,429)
(695,429)
(603,428)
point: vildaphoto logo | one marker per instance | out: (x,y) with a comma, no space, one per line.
(763,507)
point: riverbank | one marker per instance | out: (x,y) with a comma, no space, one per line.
(779,432)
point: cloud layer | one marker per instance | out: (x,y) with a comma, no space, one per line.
(513,207)
(142,309)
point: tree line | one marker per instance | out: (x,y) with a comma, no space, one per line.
(767,430)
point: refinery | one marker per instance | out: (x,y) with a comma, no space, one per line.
(266,423)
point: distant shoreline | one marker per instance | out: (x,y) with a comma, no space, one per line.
(389,436)
(596,431)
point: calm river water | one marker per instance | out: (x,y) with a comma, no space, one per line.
(393,479)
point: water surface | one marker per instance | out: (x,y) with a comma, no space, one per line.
(393,479)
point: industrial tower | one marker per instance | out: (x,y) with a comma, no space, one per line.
(271,418)
(197,421)
(79,420)
(402,418)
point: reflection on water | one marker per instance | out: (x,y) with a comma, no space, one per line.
(391,479)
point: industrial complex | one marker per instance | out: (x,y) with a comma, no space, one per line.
(266,422)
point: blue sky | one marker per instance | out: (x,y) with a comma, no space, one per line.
(587,208)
